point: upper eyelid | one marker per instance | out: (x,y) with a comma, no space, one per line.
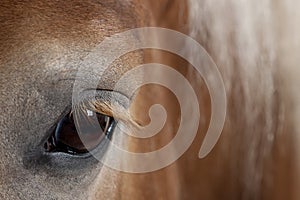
(106,102)
(111,95)
(106,96)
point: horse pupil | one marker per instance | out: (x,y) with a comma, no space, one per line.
(65,137)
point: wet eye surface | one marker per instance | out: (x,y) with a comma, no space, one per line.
(66,137)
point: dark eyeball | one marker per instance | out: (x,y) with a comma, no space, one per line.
(65,137)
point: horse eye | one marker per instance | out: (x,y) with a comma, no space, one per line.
(65,137)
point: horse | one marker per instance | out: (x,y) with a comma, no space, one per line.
(254,46)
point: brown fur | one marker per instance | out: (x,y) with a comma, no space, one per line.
(41,46)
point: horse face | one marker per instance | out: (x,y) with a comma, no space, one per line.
(42,44)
